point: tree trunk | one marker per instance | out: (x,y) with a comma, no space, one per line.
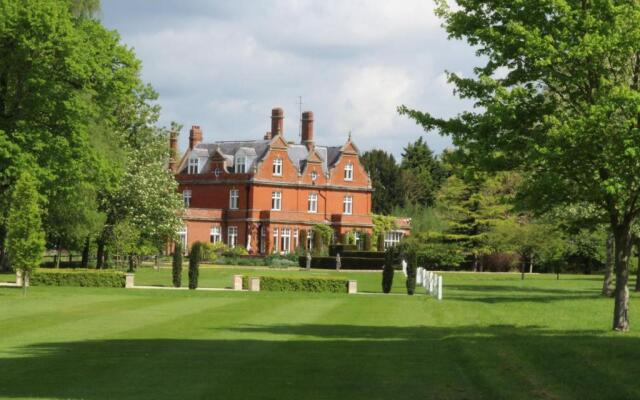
(85,253)
(524,265)
(531,265)
(622,251)
(638,271)
(608,274)
(100,254)
(58,255)
(475,263)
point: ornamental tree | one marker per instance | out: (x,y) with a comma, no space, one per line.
(557,95)
(25,237)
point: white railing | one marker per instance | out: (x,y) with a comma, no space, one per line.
(431,282)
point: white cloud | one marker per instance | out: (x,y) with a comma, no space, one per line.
(224,65)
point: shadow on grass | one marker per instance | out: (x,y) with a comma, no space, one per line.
(333,362)
(492,294)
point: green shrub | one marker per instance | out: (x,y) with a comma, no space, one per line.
(282,284)
(347,262)
(177,265)
(366,241)
(211,251)
(380,246)
(84,278)
(235,252)
(194,264)
(303,240)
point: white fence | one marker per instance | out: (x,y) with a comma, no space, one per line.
(431,282)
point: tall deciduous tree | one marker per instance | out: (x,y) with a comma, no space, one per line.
(25,237)
(558,97)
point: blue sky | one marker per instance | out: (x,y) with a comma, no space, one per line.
(224,64)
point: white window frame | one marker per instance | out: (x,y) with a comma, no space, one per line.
(277,166)
(216,172)
(296,238)
(194,165)
(285,237)
(234,199)
(276,201)
(215,235)
(392,238)
(232,236)
(183,237)
(312,206)
(241,161)
(314,175)
(348,172)
(347,205)
(263,239)
(186,198)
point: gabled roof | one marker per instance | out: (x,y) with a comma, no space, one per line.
(298,153)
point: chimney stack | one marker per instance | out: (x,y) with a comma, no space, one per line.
(195,136)
(173,150)
(267,136)
(307,129)
(277,122)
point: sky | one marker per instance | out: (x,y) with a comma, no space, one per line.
(225,64)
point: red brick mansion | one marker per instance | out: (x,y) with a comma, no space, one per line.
(259,194)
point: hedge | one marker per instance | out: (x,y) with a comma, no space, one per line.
(85,278)
(280,284)
(341,248)
(347,262)
(363,254)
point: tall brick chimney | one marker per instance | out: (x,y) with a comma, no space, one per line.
(277,122)
(173,150)
(195,136)
(307,129)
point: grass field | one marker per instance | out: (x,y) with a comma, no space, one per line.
(493,337)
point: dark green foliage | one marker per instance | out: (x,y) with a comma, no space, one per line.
(412,261)
(390,261)
(422,174)
(317,285)
(381,241)
(194,264)
(385,179)
(177,265)
(334,249)
(366,241)
(90,278)
(347,262)
(318,244)
(303,240)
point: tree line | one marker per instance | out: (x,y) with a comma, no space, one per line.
(80,148)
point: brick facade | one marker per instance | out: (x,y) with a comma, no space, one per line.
(259,170)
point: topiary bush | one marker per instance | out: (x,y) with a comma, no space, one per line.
(390,261)
(194,264)
(411,273)
(283,284)
(84,278)
(380,241)
(177,265)
(303,241)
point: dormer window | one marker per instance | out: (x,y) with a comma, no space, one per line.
(217,172)
(277,166)
(314,176)
(348,172)
(241,164)
(194,165)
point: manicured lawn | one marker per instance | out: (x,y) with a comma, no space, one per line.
(493,337)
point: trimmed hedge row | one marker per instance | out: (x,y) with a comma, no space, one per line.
(83,278)
(363,254)
(341,248)
(346,262)
(317,285)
